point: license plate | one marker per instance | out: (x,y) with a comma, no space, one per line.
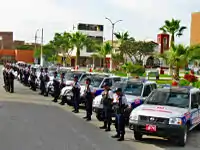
(151,128)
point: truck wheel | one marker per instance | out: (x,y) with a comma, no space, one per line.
(138,136)
(183,137)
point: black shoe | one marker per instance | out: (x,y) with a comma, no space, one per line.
(121,138)
(73,110)
(103,127)
(88,119)
(107,130)
(116,136)
(85,117)
(61,103)
(76,111)
(55,101)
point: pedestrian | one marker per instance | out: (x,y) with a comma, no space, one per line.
(42,84)
(33,78)
(88,96)
(107,100)
(62,85)
(46,80)
(6,74)
(76,94)
(56,85)
(11,79)
(119,106)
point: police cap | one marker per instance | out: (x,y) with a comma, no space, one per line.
(63,74)
(46,68)
(88,79)
(55,72)
(75,77)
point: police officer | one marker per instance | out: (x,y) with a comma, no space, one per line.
(107,100)
(76,94)
(33,78)
(46,80)
(6,73)
(56,85)
(119,106)
(62,85)
(11,76)
(88,95)
(42,84)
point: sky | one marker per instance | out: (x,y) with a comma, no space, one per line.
(141,18)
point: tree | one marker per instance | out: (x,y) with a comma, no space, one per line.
(103,51)
(49,53)
(79,40)
(137,50)
(174,28)
(25,47)
(62,43)
(179,55)
(122,37)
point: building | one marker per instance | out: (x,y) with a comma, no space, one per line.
(93,31)
(195,29)
(9,55)
(6,40)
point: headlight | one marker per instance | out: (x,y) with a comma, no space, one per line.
(134,117)
(175,121)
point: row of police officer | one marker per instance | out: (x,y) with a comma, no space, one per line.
(8,76)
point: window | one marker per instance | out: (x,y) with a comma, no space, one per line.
(154,86)
(194,99)
(147,90)
(116,79)
(109,81)
(198,97)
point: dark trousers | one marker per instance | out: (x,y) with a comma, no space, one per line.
(56,93)
(42,87)
(120,124)
(89,108)
(108,117)
(26,80)
(33,85)
(76,99)
(11,85)
(7,84)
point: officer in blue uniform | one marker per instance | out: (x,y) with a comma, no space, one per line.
(107,101)
(88,95)
(119,106)
(76,94)
(62,85)
(56,85)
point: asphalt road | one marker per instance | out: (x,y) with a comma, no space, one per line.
(29,121)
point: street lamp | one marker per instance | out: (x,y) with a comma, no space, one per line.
(113,27)
(36,38)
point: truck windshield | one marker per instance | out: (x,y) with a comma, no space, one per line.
(175,99)
(133,89)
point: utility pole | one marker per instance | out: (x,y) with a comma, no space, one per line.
(41,53)
(113,27)
(36,39)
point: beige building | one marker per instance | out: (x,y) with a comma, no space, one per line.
(195,29)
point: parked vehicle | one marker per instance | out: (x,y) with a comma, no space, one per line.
(135,91)
(169,113)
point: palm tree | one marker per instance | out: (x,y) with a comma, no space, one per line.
(122,37)
(79,40)
(103,51)
(179,56)
(173,28)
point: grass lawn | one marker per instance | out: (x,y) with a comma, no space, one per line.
(163,81)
